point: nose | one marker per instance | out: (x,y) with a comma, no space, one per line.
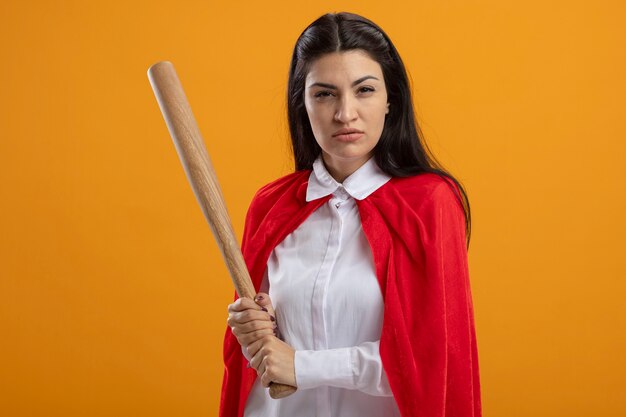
(346,110)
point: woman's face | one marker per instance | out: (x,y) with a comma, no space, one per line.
(346,90)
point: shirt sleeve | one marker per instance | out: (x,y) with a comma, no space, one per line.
(357,367)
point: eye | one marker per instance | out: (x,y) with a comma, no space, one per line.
(366,89)
(322,94)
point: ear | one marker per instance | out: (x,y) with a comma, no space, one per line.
(387,109)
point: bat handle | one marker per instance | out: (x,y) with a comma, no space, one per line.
(277,390)
(280,390)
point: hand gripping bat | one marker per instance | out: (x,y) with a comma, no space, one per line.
(193,155)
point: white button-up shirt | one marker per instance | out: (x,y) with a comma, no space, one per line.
(329,307)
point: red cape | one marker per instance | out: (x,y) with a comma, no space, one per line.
(416,229)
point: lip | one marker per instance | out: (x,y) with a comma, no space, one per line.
(349,137)
(347,131)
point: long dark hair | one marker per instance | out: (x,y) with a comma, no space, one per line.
(401,150)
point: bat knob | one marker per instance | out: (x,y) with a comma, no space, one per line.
(278,391)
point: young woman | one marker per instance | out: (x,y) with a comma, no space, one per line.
(359,255)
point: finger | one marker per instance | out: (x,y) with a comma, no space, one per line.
(253,348)
(240,328)
(258,362)
(250,315)
(266,377)
(263,299)
(253,326)
(253,330)
(248,338)
(238,318)
(243,303)
(262,343)
(254,363)
(251,336)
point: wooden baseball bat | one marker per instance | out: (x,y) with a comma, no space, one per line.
(195,159)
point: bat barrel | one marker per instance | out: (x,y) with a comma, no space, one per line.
(199,169)
(201,175)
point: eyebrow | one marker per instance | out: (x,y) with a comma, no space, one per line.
(334,87)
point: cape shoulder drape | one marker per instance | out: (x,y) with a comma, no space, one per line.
(416,229)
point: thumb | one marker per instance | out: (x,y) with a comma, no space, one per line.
(263,299)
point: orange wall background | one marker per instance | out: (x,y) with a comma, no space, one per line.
(113,294)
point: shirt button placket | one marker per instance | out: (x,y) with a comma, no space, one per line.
(322,281)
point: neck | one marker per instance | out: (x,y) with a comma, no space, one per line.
(342,169)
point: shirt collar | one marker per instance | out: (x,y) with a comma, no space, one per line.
(361,183)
